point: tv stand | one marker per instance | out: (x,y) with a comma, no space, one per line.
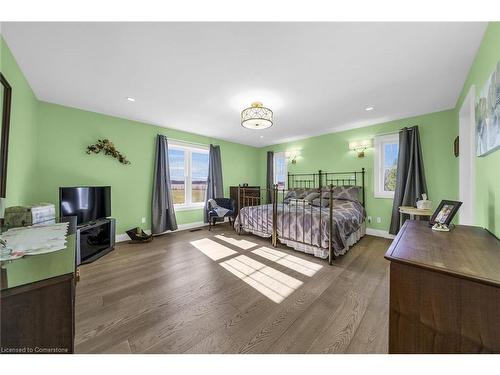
(94,240)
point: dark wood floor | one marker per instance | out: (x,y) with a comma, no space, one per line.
(169,297)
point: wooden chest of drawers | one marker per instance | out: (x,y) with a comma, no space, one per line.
(444,290)
(249,196)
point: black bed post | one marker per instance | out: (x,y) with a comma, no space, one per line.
(330,231)
(320,179)
(288,180)
(363,184)
(275,216)
(238,209)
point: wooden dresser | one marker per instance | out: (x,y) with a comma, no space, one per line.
(250,196)
(444,290)
(37,302)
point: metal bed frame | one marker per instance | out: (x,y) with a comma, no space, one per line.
(275,196)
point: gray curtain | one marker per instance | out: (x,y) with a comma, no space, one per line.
(215,188)
(162,207)
(410,180)
(270,175)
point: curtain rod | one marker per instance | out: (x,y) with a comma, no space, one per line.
(388,133)
(188,142)
(396,131)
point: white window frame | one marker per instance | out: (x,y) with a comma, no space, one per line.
(188,149)
(275,156)
(378,168)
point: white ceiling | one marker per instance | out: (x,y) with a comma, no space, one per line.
(197,77)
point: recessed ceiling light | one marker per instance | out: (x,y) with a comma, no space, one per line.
(369,108)
(130,99)
(262,136)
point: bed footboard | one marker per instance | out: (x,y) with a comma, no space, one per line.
(274,216)
(278,215)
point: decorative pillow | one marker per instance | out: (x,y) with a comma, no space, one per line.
(289,196)
(311,196)
(320,202)
(302,193)
(325,193)
(348,193)
(299,202)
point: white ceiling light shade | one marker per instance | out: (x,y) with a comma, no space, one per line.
(130,99)
(369,108)
(256,117)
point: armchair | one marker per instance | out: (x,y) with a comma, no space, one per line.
(226,203)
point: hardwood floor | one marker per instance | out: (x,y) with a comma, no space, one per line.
(170,296)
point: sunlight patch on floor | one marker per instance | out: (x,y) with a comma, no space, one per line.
(212,249)
(272,283)
(242,244)
(295,263)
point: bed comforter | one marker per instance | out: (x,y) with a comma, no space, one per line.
(307,224)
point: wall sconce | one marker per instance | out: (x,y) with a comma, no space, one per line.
(360,147)
(292,156)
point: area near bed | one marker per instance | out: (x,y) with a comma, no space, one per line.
(319,213)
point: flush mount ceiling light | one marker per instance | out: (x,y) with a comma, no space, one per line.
(130,99)
(257,117)
(369,108)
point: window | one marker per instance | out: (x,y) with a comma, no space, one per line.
(280,169)
(188,174)
(386,165)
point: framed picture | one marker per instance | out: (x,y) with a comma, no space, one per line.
(487,113)
(445,212)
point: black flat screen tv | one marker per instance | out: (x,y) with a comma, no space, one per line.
(87,203)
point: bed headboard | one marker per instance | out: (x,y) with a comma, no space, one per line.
(304,180)
(322,179)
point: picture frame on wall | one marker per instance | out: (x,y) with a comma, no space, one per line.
(487,113)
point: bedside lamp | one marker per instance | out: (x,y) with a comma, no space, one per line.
(360,147)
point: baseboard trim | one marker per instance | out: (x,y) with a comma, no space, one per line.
(124,236)
(379,233)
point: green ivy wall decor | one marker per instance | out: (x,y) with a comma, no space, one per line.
(108,148)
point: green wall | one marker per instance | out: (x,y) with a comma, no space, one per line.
(22,139)
(64,133)
(47,146)
(47,150)
(487,167)
(330,152)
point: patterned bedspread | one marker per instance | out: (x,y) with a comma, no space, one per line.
(306,224)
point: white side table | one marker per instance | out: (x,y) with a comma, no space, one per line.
(413,212)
